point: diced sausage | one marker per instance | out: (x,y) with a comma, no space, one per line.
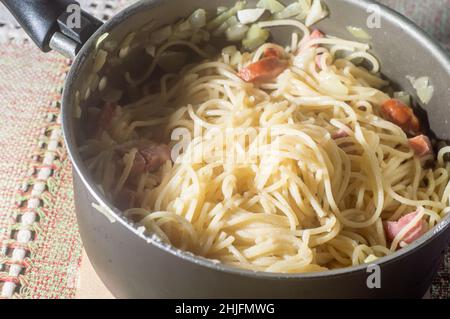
(315,34)
(339,134)
(393,228)
(264,70)
(271,52)
(155,156)
(399,113)
(149,158)
(106,116)
(421,145)
(318,60)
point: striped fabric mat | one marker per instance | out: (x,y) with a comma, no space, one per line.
(40,248)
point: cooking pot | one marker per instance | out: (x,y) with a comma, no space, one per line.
(133,264)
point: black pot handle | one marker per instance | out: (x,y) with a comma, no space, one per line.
(54,24)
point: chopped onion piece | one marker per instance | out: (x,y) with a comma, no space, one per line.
(198,18)
(306,6)
(101,39)
(294,9)
(110,45)
(233,53)
(128,39)
(421,82)
(199,36)
(331,82)
(224,16)
(231,21)
(93,81)
(317,12)
(221,9)
(100,60)
(403,96)
(370,258)
(423,89)
(126,44)
(184,26)
(236,58)
(255,37)
(359,33)
(151,50)
(236,32)
(248,16)
(161,35)
(305,58)
(272,5)
(103,83)
(231,49)
(425,94)
(77,110)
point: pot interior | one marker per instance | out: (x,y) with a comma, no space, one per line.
(400,48)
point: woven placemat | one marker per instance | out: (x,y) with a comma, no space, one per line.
(40,248)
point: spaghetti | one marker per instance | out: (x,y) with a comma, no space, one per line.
(299,173)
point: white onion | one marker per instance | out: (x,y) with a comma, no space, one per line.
(370,258)
(199,36)
(305,58)
(236,58)
(221,9)
(330,82)
(231,49)
(421,82)
(230,22)
(306,6)
(359,33)
(291,10)
(425,94)
(198,18)
(128,39)
(403,96)
(236,32)
(247,16)
(101,39)
(224,16)
(183,26)
(272,5)
(151,50)
(255,37)
(424,90)
(110,45)
(317,12)
(93,81)
(77,110)
(100,60)
(103,83)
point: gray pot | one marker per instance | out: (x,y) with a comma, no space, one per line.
(132,264)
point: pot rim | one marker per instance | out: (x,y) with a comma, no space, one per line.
(68,95)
